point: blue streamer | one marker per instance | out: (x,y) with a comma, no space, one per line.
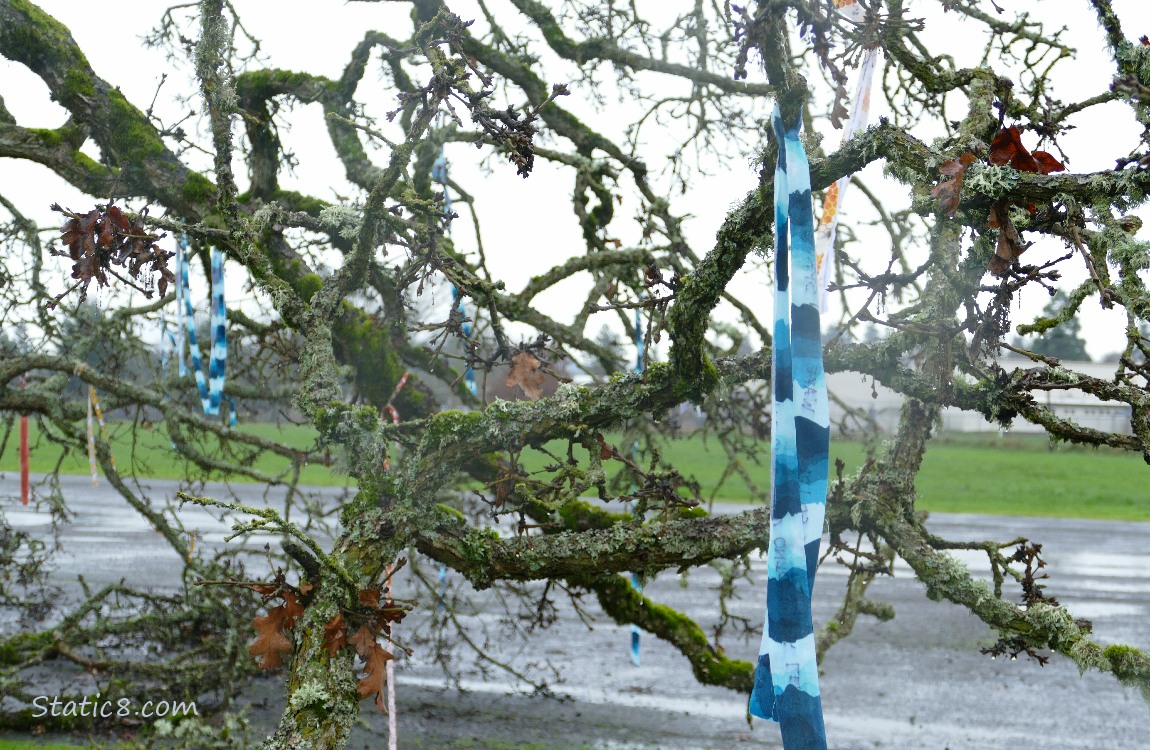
(469,376)
(439,174)
(181,285)
(168,346)
(786,686)
(212,387)
(636,581)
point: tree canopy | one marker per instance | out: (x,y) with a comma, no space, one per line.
(363,313)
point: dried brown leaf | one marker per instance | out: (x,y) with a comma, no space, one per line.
(363,640)
(1047,163)
(374,680)
(525,374)
(949,192)
(270,644)
(1010,245)
(293,610)
(335,634)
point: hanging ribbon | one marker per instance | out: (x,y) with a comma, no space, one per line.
(469,376)
(25,456)
(392,739)
(836,193)
(169,347)
(636,581)
(786,686)
(181,303)
(212,388)
(94,406)
(92,442)
(439,174)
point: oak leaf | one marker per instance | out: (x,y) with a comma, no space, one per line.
(525,374)
(605,450)
(271,643)
(363,640)
(374,680)
(369,598)
(1006,148)
(948,192)
(293,610)
(335,634)
(375,658)
(1010,244)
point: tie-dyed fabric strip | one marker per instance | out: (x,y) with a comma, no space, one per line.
(636,581)
(211,388)
(94,407)
(25,455)
(786,686)
(439,174)
(469,376)
(92,442)
(837,192)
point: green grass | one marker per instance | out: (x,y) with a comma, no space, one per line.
(961,473)
(151,454)
(30,745)
(969,473)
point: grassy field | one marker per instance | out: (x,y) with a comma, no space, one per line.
(462,744)
(30,745)
(152,455)
(981,473)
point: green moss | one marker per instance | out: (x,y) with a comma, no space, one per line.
(449,422)
(365,501)
(48,136)
(1127,662)
(198,190)
(364,343)
(132,138)
(44,44)
(453,512)
(77,83)
(308,285)
(17,648)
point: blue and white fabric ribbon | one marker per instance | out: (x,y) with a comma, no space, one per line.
(636,581)
(212,388)
(786,686)
(469,376)
(439,174)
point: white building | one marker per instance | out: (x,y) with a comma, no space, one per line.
(882,404)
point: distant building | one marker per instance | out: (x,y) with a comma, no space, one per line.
(882,405)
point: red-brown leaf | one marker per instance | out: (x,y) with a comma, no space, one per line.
(525,374)
(1010,244)
(293,610)
(956,167)
(605,450)
(1007,148)
(374,680)
(1047,163)
(1005,145)
(270,644)
(948,192)
(335,634)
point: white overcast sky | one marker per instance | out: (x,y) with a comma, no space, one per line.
(317,37)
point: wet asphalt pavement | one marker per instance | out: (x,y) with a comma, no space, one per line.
(917,681)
